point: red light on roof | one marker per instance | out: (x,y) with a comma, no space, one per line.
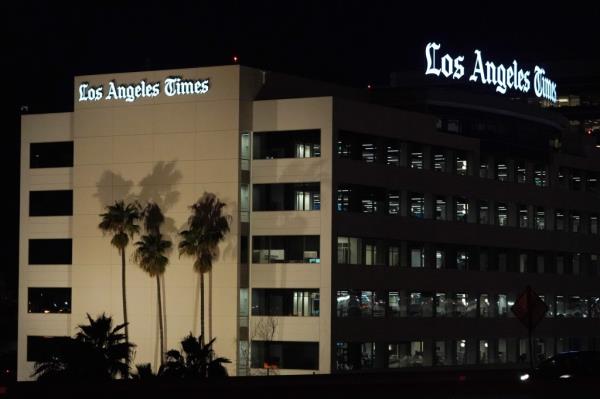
(235,58)
(369,87)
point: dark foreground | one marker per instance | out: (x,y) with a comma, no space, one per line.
(494,384)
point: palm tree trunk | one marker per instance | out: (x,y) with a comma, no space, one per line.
(123,282)
(202,306)
(160,322)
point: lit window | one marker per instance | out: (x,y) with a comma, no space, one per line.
(440,208)
(417,205)
(501,214)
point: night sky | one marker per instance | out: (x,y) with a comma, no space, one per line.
(350,42)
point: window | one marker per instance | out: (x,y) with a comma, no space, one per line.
(483,260)
(417,257)
(364,304)
(285,249)
(354,355)
(501,214)
(464,305)
(392,153)
(563,176)
(286,197)
(416,156)
(245,150)
(559,220)
(364,199)
(406,354)
(287,144)
(560,264)
(461,164)
(51,203)
(594,224)
(440,259)
(485,306)
(484,168)
(484,352)
(576,306)
(394,256)
(502,305)
(483,216)
(349,250)
(374,251)
(40,348)
(592,182)
(523,217)
(285,302)
(443,305)
(462,209)
(575,222)
(521,172)
(49,300)
(285,355)
(522,263)
(369,151)
(420,304)
(51,155)
(540,218)
(501,170)
(540,177)
(439,159)
(393,203)
(540,264)
(417,205)
(462,260)
(460,351)
(440,208)
(576,180)
(397,304)
(50,251)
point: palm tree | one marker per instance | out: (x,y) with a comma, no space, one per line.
(98,352)
(150,255)
(195,361)
(120,221)
(207,227)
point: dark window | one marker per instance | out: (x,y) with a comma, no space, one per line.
(43,348)
(285,249)
(244,249)
(287,144)
(49,300)
(51,203)
(51,155)
(285,355)
(285,302)
(286,197)
(50,251)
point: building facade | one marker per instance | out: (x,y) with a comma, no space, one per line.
(363,236)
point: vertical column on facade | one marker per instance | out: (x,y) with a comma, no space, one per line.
(450,208)
(427,161)
(428,351)
(472,214)
(529,172)
(429,205)
(403,154)
(491,169)
(451,161)
(513,214)
(380,361)
(511,170)
(531,216)
(404,203)
(473,162)
(429,255)
(403,254)
(549,216)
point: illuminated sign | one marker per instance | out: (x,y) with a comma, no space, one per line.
(171,86)
(502,77)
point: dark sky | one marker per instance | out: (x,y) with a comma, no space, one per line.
(351,42)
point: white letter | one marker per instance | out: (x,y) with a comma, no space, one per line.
(501,79)
(112,91)
(430,55)
(82,96)
(170,86)
(459,70)
(526,84)
(478,69)
(447,65)
(537,81)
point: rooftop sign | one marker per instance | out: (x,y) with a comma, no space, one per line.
(502,77)
(171,86)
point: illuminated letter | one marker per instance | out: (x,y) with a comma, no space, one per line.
(527,84)
(501,79)
(537,81)
(459,70)
(170,86)
(112,91)
(478,69)
(82,96)
(490,69)
(509,77)
(430,50)
(447,65)
(205,85)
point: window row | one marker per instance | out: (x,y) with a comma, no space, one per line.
(397,304)
(453,352)
(285,249)
(55,251)
(51,203)
(286,197)
(374,149)
(57,154)
(285,302)
(367,199)
(287,144)
(378,252)
(49,300)
(284,355)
